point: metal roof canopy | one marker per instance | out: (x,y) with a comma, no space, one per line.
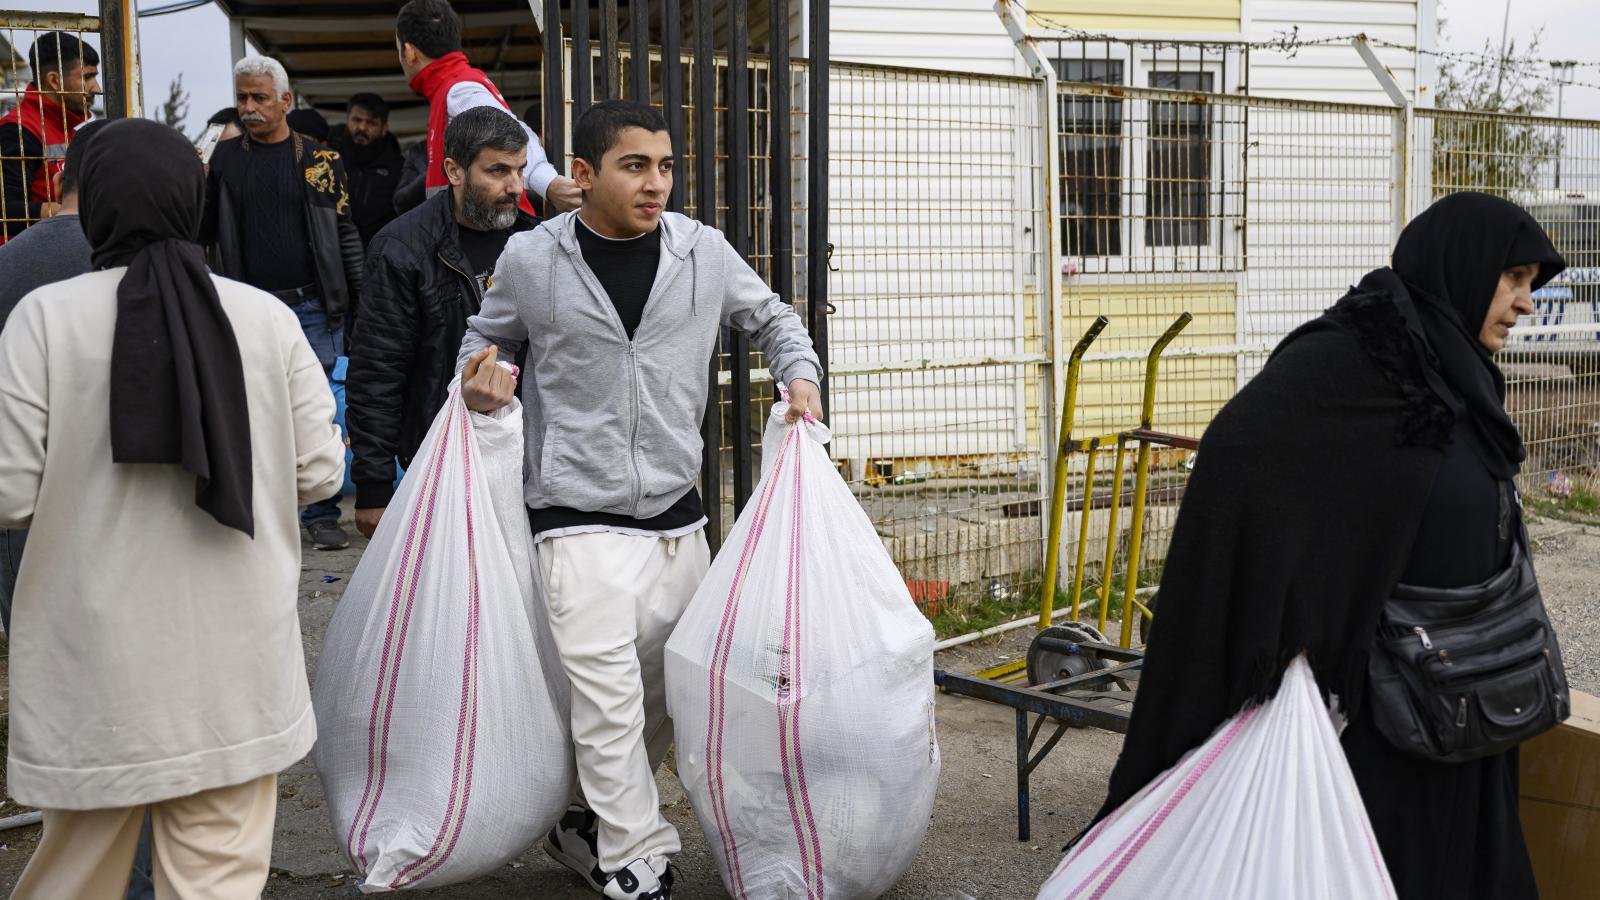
(337,48)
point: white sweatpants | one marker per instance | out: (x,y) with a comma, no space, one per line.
(613,601)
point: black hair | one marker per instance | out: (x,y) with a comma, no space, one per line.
(480,127)
(308,122)
(429,25)
(74,158)
(228,115)
(59,51)
(597,129)
(375,106)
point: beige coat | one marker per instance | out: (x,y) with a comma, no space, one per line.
(155,653)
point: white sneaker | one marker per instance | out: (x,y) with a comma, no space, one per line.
(639,881)
(574,844)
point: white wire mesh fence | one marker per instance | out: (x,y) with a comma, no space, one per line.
(939,339)
(1252,214)
(1552,360)
(971,246)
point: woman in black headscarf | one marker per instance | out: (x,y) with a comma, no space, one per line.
(158,427)
(1373,450)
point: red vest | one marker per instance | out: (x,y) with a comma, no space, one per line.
(433,84)
(52,125)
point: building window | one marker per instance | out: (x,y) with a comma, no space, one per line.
(1178,175)
(1091,160)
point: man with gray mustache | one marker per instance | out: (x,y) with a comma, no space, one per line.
(278,218)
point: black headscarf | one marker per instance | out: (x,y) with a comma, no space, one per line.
(177,382)
(1450,258)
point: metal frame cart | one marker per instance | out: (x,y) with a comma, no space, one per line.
(1075,676)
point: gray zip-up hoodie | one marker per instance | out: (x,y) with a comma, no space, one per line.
(613,425)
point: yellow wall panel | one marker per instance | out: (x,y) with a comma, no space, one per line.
(1190,389)
(1139,15)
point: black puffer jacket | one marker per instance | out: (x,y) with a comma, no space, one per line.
(416,298)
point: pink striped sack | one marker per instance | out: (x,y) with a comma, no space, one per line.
(443,745)
(1265,809)
(800,682)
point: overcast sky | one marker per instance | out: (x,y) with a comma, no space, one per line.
(1568,33)
(195,43)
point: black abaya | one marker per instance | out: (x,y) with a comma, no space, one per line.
(1367,453)
(1449,829)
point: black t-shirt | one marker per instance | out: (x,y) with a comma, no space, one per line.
(482,250)
(272,219)
(627,271)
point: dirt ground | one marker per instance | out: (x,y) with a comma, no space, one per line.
(971,851)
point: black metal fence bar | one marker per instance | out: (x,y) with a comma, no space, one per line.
(554,133)
(705,158)
(582,70)
(781,134)
(639,59)
(610,72)
(118,53)
(817,247)
(672,98)
(738,197)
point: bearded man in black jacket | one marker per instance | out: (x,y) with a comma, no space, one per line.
(372,163)
(426,273)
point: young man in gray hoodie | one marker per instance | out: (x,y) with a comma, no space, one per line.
(618,306)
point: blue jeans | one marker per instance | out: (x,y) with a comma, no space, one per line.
(140,884)
(11,543)
(329,346)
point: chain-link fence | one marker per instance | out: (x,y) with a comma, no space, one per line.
(49,85)
(1552,360)
(1251,214)
(939,338)
(960,277)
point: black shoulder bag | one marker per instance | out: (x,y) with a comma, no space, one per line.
(1463,673)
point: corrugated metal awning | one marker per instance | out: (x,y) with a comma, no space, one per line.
(337,48)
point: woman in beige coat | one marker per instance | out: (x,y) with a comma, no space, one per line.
(159,427)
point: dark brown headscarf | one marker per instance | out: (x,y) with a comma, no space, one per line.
(177,382)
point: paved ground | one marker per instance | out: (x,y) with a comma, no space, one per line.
(970,852)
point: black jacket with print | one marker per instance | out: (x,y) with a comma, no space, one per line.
(335,242)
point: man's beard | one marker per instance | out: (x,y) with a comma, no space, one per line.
(482,214)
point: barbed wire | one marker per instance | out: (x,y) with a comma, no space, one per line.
(1290,43)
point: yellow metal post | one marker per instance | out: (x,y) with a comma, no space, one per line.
(1147,416)
(1130,581)
(1111,531)
(1058,487)
(1083,525)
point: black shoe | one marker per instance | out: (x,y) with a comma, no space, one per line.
(327,535)
(574,843)
(638,881)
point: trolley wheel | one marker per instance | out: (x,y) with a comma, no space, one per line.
(1047,664)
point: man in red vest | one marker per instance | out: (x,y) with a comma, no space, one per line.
(34,136)
(428,37)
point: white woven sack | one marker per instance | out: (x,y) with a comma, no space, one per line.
(1266,809)
(800,682)
(443,746)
